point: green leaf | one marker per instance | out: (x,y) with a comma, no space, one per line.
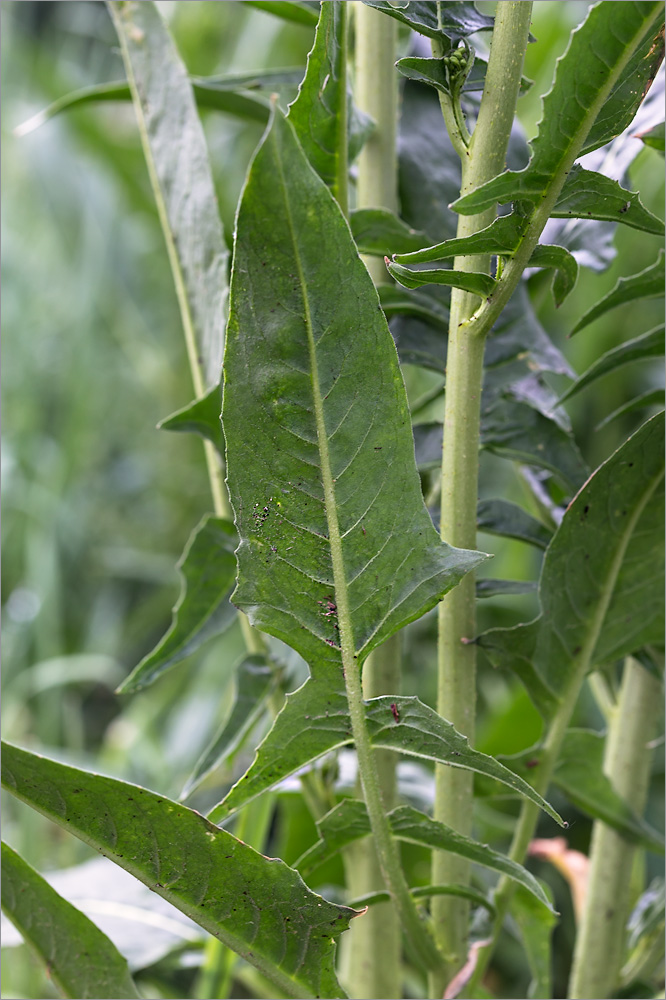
(600,587)
(654,137)
(315,719)
(502,237)
(328,472)
(536,925)
(257,906)
(397,301)
(348,821)
(426,892)
(471,281)
(208,573)
(491,587)
(458,20)
(500,517)
(648,345)
(653,397)
(202,416)
(380,232)
(181,179)
(79,958)
(436,73)
(589,195)
(565,265)
(255,679)
(600,51)
(299,11)
(646,284)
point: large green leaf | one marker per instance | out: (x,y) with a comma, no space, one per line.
(181,179)
(599,57)
(208,573)
(327,477)
(648,283)
(601,579)
(257,906)
(649,345)
(80,959)
(348,821)
(589,195)
(442,20)
(315,719)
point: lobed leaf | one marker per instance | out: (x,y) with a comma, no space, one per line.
(201,416)
(455,20)
(208,573)
(81,960)
(257,906)
(648,345)
(471,281)
(380,232)
(648,283)
(590,195)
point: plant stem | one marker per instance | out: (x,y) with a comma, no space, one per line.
(456,701)
(599,943)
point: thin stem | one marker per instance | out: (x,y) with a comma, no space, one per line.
(342,180)
(457,616)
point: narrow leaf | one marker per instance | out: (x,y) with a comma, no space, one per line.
(601,578)
(471,281)
(79,958)
(653,397)
(208,573)
(500,517)
(491,587)
(202,416)
(257,906)
(456,20)
(381,233)
(536,925)
(427,892)
(643,285)
(502,236)
(181,179)
(299,11)
(654,137)
(649,345)
(565,265)
(590,195)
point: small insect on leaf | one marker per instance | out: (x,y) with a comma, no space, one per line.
(394,710)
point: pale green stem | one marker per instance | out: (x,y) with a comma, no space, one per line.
(456,701)
(601,936)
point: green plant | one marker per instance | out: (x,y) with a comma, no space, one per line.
(333,551)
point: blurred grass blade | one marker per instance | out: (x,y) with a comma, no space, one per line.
(470,281)
(202,416)
(380,232)
(564,265)
(646,284)
(649,345)
(82,962)
(299,11)
(536,925)
(501,517)
(208,574)
(181,179)
(448,21)
(257,906)
(590,195)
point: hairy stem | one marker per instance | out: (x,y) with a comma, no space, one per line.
(457,618)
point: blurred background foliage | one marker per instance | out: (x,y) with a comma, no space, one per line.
(98,504)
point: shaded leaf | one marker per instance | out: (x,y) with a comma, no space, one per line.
(648,283)
(458,20)
(202,416)
(79,958)
(426,892)
(502,236)
(208,573)
(500,517)
(380,232)
(181,179)
(255,679)
(433,72)
(536,925)
(649,345)
(590,195)
(299,11)
(564,264)
(257,906)
(398,301)
(471,281)
(654,137)
(491,587)
(653,397)
(600,582)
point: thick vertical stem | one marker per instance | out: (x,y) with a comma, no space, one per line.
(599,944)
(483,159)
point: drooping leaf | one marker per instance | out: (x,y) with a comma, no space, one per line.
(600,582)
(458,20)
(380,232)
(500,517)
(255,678)
(536,927)
(80,959)
(208,573)
(348,821)
(202,416)
(649,345)
(471,281)
(299,11)
(328,473)
(654,137)
(502,236)
(587,75)
(257,906)
(590,195)
(653,397)
(315,719)
(646,284)
(397,301)
(427,892)
(564,264)
(181,178)
(491,587)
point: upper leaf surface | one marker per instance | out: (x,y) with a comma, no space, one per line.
(80,959)
(457,19)
(590,195)
(328,469)
(257,906)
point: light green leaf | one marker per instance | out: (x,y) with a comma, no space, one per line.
(328,472)
(79,958)
(257,906)
(455,20)
(500,517)
(254,680)
(646,284)
(649,345)
(208,573)
(502,237)
(380,232)
(536,925)
(202,416)
(654,137)
(590,195)
(348,821)
(299,11)
(598,58)
(564,264)
(471,281)
(181,179)
(601,578)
